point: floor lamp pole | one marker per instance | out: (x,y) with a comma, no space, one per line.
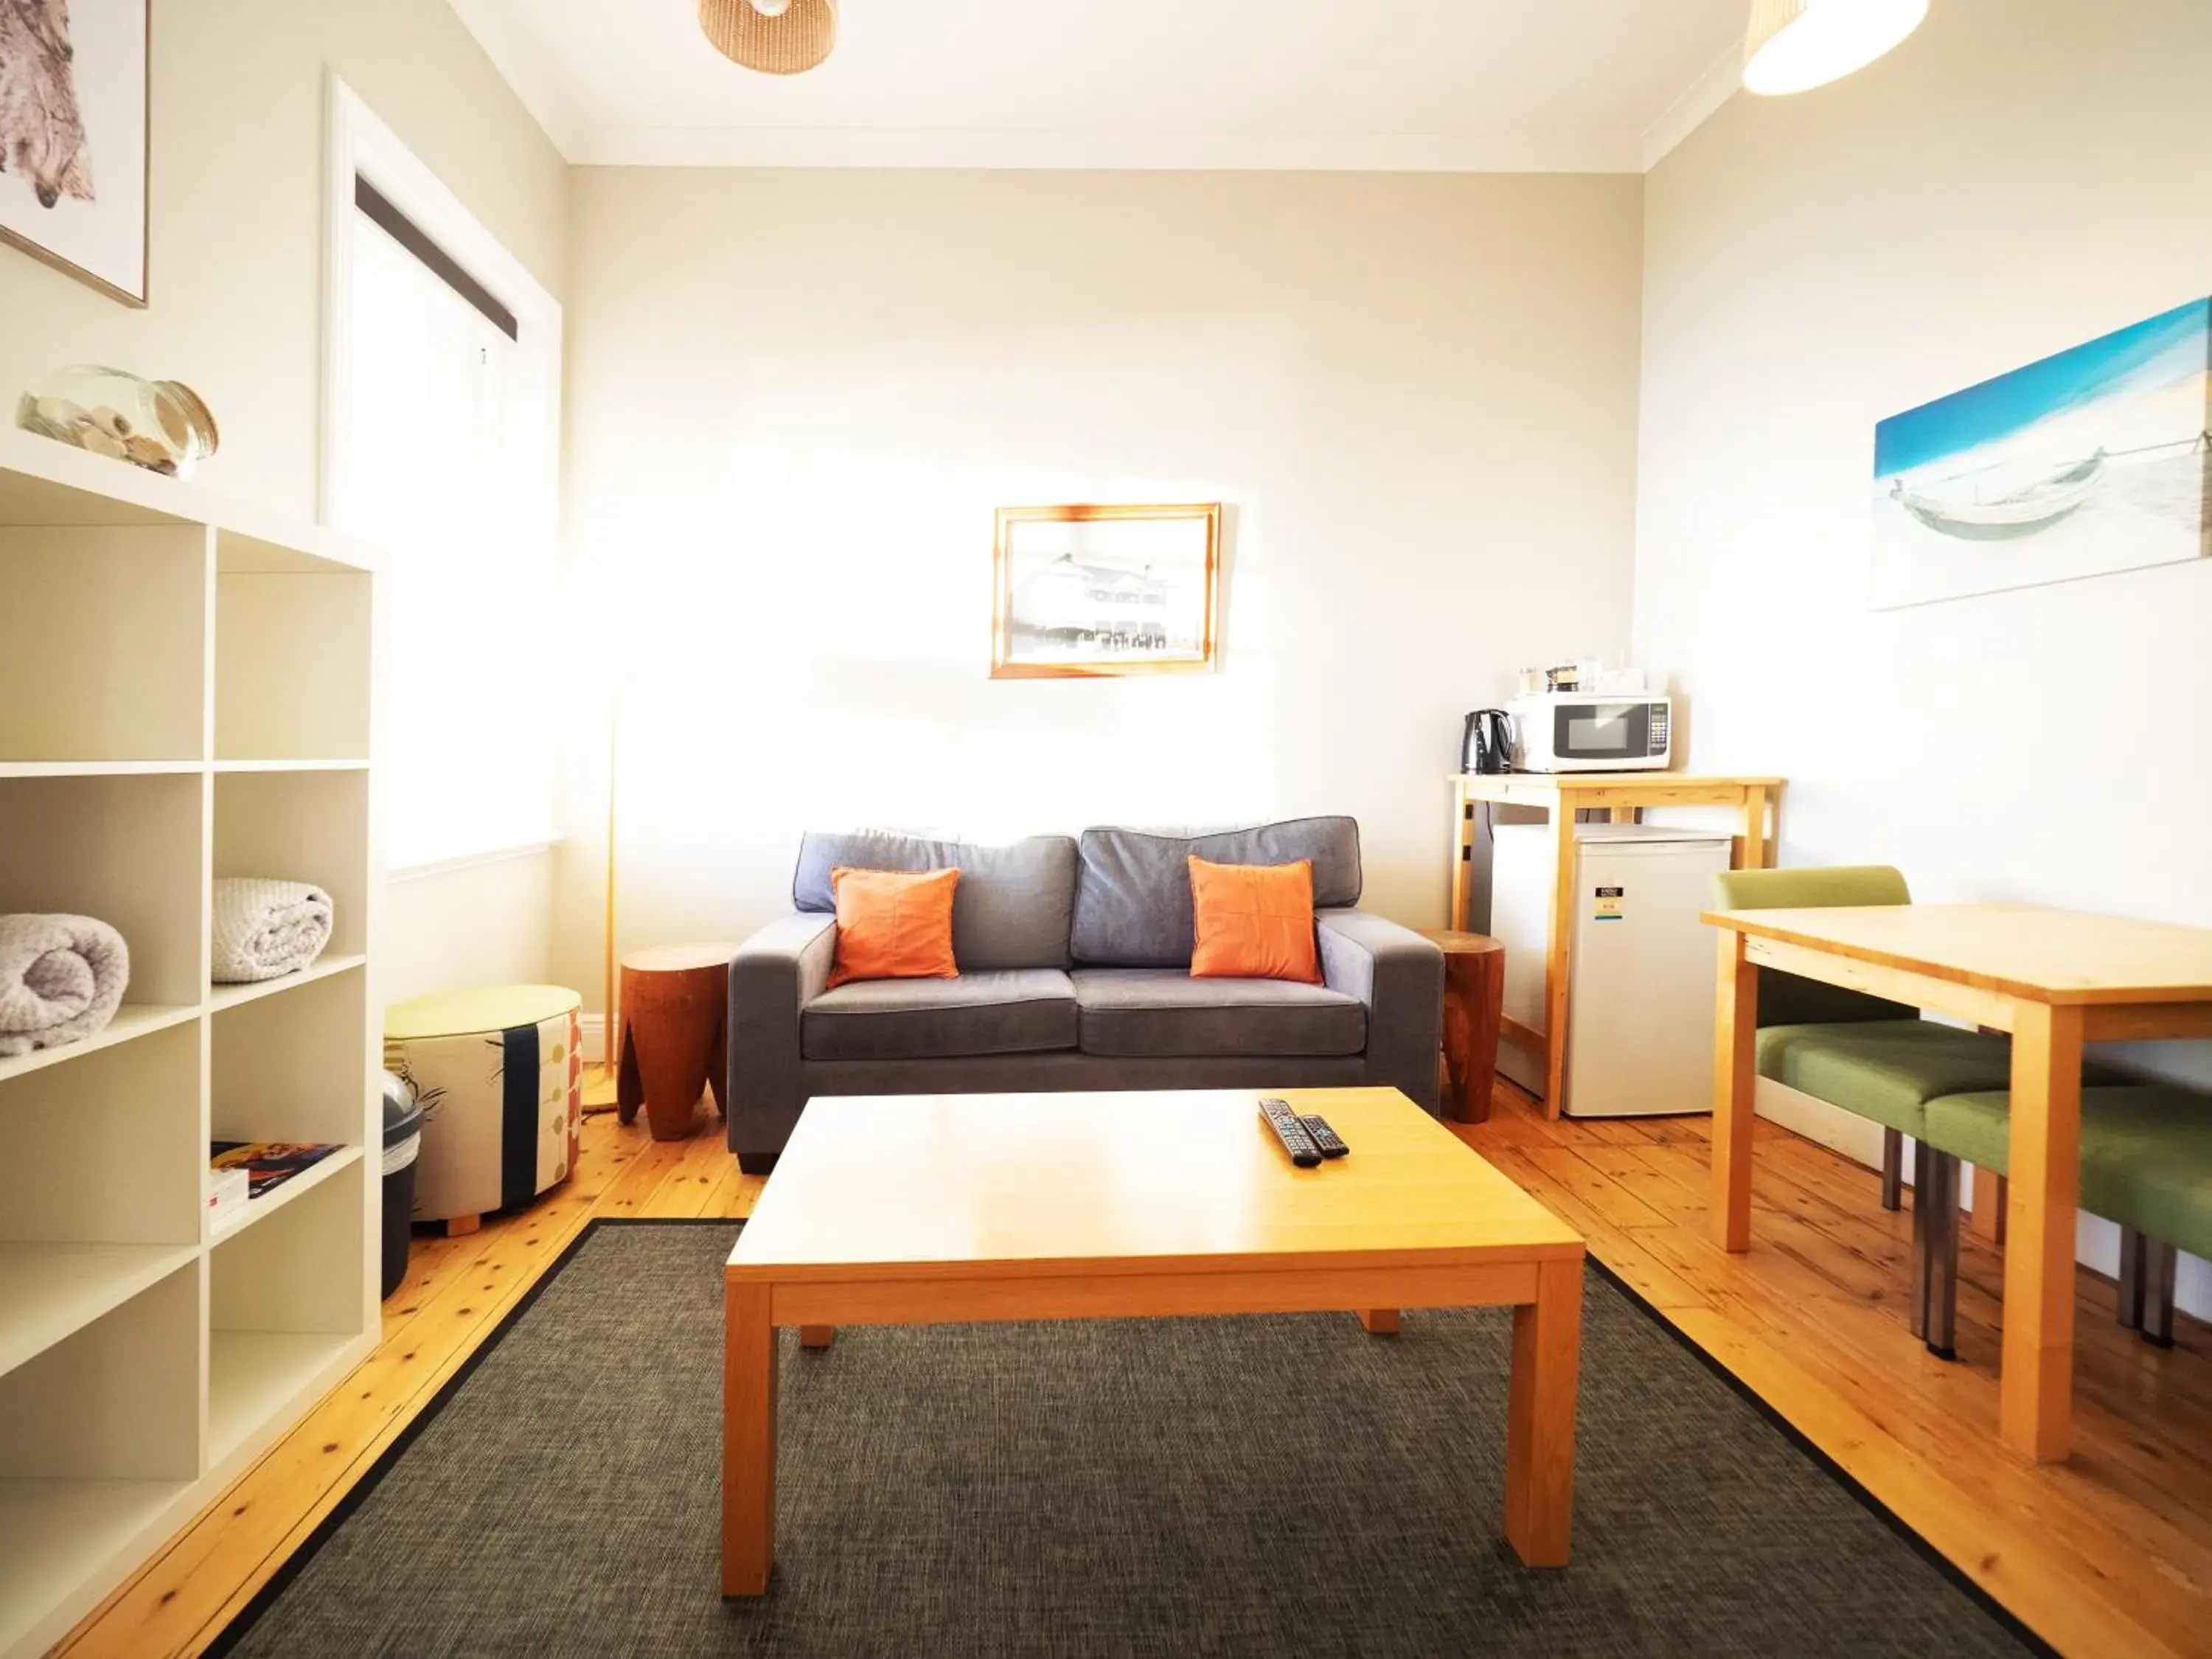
(610,1020)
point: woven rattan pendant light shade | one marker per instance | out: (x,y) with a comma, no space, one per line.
(785,39)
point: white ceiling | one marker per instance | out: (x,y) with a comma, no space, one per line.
(1426,85)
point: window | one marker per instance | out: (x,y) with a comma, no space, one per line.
(441,452)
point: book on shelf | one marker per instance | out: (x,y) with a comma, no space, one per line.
(227,1194)
(269,1163)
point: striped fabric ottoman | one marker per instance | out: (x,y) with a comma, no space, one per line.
(500,1082)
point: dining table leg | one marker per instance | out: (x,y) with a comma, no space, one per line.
(2036,1381)
(1736,1083)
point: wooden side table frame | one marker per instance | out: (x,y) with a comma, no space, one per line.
(672,1037)
(1757,801)
(1474,994)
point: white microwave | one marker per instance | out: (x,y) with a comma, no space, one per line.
(1588,732)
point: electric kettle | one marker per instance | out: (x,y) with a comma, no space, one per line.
(1487,746)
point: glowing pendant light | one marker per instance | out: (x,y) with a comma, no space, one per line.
(777,37)
(1796,45)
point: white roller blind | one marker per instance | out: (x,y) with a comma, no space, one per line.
(440,468)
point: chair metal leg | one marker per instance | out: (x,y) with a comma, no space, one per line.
(1943,1259)
(1892,1168)
(2131,1279)
(1922,1185)
(2158,1266)
(1935,1311)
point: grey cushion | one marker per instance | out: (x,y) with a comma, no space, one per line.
(1025,1012)
(1132,890)
(1164,1011)
(1011,908)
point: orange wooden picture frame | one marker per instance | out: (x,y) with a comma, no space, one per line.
(1004,663)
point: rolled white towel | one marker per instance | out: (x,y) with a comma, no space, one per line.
(264,929)
(62,979)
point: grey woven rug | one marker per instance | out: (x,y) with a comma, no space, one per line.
(1262,1486)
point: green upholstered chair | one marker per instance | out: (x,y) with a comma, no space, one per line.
(1878,1059)
(2146,1163)
(1874,1058)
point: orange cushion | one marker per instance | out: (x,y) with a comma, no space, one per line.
(1253,921)
(893,924)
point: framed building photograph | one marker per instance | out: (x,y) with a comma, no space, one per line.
(1090,590)
(73,138)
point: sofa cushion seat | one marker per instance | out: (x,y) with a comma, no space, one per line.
(1163,1012)
(1014,1011)
(2146,1154)
(1885,1069)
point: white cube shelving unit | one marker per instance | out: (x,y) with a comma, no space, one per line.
(183,696)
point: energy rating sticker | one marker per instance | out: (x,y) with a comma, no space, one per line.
(1608,904)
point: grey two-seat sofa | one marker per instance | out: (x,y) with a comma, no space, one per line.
(1074,959)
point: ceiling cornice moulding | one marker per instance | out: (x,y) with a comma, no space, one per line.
(1698,103)
(763,147)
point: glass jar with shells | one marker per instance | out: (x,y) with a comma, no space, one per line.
(160,425)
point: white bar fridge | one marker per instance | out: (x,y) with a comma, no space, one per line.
(1639,963)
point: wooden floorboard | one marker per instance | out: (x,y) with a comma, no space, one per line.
(456,1292)
(2109,1554)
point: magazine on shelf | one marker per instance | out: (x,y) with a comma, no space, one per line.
(269,1163)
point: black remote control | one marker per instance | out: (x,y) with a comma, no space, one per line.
(1331,1143)
(1290,1132)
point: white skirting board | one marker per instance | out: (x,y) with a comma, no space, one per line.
(594,1043)
(2096,1241)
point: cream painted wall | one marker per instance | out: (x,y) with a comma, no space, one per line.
(487,924)
(2009,183)
(236,312)
(237,236)
(795,398)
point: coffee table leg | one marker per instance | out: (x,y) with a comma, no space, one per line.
(749,1381)
(1540,1425)
(1380,1321)
(816,1336)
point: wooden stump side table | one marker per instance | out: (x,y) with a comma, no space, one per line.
(1474,999)
(675,1015)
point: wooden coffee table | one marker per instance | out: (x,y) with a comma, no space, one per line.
(925,1209)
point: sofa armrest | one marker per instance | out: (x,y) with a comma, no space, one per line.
(774,976)
(1399,975)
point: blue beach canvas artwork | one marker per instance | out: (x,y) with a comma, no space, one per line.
(2092,461)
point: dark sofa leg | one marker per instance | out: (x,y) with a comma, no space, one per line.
(1892,1169)
(757,1164)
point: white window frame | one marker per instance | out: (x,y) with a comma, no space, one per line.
(359,144)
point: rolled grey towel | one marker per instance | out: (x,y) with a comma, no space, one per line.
(264,929)
(62,979)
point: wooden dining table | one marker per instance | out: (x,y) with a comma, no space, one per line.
(2054,980)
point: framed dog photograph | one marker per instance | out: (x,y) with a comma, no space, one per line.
(73,137)
(1091,590)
